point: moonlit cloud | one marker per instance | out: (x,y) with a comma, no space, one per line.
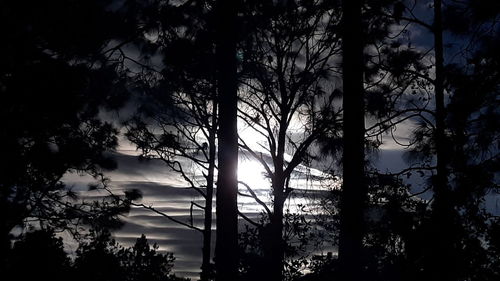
(164,190)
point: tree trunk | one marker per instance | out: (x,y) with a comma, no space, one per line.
(441,256)
(441,177)
(226,252)
(207,230)
(277,244)
(354,191)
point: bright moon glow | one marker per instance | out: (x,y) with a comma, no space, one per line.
(303,180)
(252,172)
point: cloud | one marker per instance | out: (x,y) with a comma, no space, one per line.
(164,190)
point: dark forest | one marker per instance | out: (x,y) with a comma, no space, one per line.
(291,140)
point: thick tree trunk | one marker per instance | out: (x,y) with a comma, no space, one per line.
(226,251)
(354,191)
(441,257)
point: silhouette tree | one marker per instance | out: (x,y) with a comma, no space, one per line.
(274,65)
(472,158)
(444,237)
(55,79)
(299,237)
(354,191)
(37,255)
(190,152)
(443,213)
(445,230)
(177,121)
(101,258)
(226,247)
(98,259)
(388,67)
(142,262)
(286,98)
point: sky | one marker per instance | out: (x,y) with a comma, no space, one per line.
(167,192)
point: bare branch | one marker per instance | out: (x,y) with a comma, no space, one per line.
(254,196)
(249,220)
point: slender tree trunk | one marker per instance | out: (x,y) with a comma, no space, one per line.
(354,191)
(441,178)
(441,256)
(277,247)
(207,230)
(226,251)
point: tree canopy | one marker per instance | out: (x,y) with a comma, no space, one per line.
(315,94)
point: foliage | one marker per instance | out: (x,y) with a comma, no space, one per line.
(40,254)
(103,259)
(54,80)
(65,62)
(299,237)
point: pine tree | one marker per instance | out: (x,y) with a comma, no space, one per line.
(226,247)
(354,189)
